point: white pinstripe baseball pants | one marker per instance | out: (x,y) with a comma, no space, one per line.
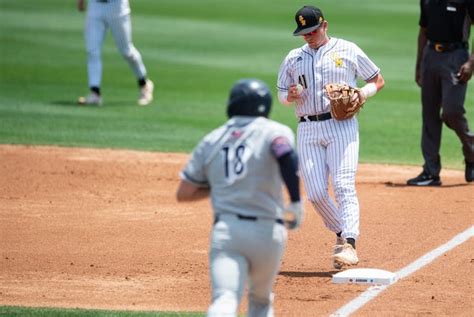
(331,148)
(95,31)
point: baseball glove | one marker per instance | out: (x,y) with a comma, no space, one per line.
(345,100)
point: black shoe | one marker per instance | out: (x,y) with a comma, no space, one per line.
(469,174)
(425,179)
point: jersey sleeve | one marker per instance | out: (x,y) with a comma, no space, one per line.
(285,77)
(366,69)
(194,171)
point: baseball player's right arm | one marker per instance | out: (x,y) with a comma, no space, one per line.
(188,191)
(287,90)
(194,184)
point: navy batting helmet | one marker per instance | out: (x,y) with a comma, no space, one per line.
(249,97)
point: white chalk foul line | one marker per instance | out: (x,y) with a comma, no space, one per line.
(374,291)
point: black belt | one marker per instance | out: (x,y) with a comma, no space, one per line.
(316,117)
(446,47)
(247,218)
(102,0)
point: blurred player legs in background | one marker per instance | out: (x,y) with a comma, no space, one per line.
(113,14)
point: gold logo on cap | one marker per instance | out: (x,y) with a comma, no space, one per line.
(320,19)
(302,20)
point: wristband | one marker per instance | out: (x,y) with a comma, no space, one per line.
(369,90)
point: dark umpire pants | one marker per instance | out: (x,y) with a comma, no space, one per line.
(442,97)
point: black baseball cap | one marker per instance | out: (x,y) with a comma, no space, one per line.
(308,19)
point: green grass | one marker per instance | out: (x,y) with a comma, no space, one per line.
(195,51)
(12,311)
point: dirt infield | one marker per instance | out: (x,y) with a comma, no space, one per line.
(101,229)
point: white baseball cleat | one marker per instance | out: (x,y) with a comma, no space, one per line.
(337,248)
(346,257)
(91,99)
(146,93)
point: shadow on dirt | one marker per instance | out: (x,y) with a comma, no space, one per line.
(307,274)
(391,184)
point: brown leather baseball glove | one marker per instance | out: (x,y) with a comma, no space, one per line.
(345,100)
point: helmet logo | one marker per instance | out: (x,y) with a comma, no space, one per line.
(302,20)
(261,92)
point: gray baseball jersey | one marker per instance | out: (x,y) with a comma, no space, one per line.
(327,147)
(236,161)
(113,14)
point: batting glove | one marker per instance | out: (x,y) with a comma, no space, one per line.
(294,215)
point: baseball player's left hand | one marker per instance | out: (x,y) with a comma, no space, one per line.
(295,212)
(359,97)
(465,72)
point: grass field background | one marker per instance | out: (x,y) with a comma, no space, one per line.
(194,51)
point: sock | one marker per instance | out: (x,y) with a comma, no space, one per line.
(352,242)
(96,90)
(142,82)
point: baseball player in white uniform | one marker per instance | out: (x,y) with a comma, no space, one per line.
(327,147)
(242,165)
(113,14)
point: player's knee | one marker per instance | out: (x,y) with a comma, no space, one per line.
(451,119)
(319,196)
(225,303)
(127,55)
(130,54)
(93,54)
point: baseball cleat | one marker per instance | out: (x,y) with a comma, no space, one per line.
(91,99)
(336,249)
(425,179)
(346,257)
(146,93)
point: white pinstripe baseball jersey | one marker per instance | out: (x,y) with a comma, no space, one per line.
(339,61)
(327,147)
